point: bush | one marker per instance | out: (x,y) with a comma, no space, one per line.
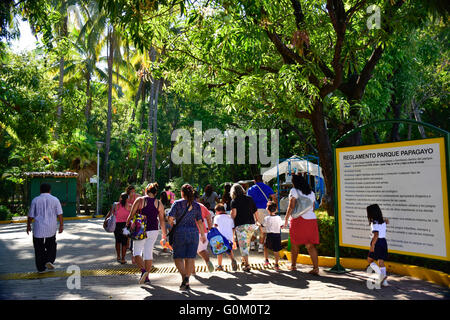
(5,214)
(326,248)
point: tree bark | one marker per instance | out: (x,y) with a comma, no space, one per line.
(155,128)
(325,154)
(149,127)
(61,81)
(109,118)
(152,55)
(136,104)
(87,111)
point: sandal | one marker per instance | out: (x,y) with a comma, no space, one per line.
(234,265)
(247,268)
(219,268)
(185,284)
(314,272)
(123,261)
(293,268)
(276,267)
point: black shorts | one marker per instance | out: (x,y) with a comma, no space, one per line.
(380,251)
(118,233)
(273,241)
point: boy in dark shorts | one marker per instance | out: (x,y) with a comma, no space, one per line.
(272,224)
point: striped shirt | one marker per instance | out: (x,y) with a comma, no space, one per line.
(44,209)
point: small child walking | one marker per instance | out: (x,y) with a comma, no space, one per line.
(378,245)
(225,224)
(273,224)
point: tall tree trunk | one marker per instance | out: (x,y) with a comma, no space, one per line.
(396,109)
(109,118)
(325,154)
(61,81)
(150,131)
(87,111)
(136,104)
(155,128)
(154,83)
(416,112)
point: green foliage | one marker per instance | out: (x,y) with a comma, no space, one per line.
(5,214)
(221,64)
(25,98)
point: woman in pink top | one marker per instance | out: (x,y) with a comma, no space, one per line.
(120,210)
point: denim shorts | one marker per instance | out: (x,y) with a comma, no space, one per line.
(185,243)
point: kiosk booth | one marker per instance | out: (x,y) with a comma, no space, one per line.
(63,186)
(291,166)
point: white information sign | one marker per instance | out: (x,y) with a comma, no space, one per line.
(408,181)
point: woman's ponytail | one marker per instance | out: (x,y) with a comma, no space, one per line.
(188,192)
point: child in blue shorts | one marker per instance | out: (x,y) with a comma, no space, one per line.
(378,245)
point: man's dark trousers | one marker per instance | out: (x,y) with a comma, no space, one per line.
(45,251)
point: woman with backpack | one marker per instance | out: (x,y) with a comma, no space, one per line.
(303,229)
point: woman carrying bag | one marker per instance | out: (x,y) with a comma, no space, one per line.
(120,212)
(185,217)
(303,229)
(151,210)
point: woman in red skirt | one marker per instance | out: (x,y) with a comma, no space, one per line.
(304,229)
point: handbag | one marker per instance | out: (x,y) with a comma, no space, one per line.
(110,223)
(138,226)
(171,234)
(302,205)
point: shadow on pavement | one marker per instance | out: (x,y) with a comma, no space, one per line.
(161,293)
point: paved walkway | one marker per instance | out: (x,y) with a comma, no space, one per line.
(84,246)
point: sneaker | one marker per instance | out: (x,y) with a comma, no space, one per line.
(43,271)
(219,268)
(252,246)
(385,283)
(210,266)
(277,267)
(266,263)
(144,276)
(50,266)
(234,265)
(260,248)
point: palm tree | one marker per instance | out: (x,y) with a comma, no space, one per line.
(81,154)
(63,7)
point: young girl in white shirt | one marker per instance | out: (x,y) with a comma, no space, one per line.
(273,224)
(378,245)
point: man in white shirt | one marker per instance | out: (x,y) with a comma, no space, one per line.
(45,209)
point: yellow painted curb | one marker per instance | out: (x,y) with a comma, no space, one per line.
(435,276)
(66,218)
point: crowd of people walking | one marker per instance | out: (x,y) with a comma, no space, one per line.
(246,218)
(240,216)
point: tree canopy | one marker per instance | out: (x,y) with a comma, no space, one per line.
(130,72)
